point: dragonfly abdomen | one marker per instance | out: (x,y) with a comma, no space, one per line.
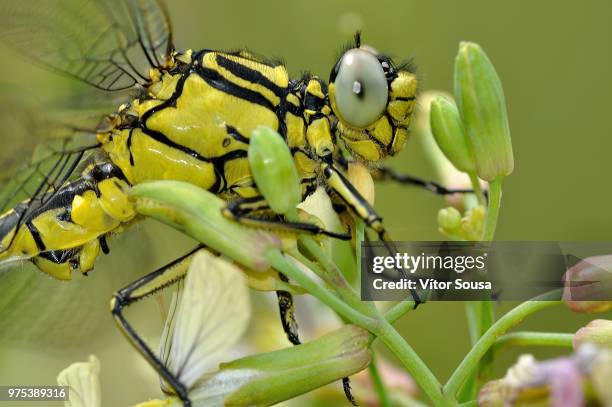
(66,231)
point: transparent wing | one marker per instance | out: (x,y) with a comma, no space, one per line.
(109,44)
(39,154)
(43,313)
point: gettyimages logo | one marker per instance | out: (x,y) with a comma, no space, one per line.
(413,264)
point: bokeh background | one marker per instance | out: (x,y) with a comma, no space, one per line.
(554,59)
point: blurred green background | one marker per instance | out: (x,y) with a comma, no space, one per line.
(554,59)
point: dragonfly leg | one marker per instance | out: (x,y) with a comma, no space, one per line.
(342,189)
(242,210)
(137,290)
(385,173)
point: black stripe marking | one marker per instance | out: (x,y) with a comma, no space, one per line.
(171,102)
(58,256)
(36,236)
(232,155)
(249,74)
(313,102)
(329,172)
(217,81)
(219,164)
(161,138)
(294,109)
(235,134)
(393,130)
(310,189)
(405,98)
(129,146)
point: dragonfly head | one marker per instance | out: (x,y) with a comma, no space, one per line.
(373,101)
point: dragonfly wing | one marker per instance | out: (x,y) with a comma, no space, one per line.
(40,155)
(109,44)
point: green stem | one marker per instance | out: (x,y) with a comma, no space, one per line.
(280,263)
(359,237)
(509,320)
(487,318)
(495,193)
(334,277)
(535,339)
(477,188)
(379,386)
(472,313)
(413,363)
(480,317)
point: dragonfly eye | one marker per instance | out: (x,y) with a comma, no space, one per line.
(359,88)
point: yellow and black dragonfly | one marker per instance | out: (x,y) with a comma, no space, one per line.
(183,115)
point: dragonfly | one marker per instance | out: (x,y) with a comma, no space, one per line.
(184,115)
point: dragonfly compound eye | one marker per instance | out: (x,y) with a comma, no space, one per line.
(360,90)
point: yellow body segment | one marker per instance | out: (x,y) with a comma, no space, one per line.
(154,160)
(201,116)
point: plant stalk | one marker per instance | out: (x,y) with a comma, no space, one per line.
(486,341)
(535,339)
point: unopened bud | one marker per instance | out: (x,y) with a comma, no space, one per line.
(274,170)
(197,212)
(269,378)
(468,227)
(449,219)
(598,332)
(588,285)
(447,129)
(481,103)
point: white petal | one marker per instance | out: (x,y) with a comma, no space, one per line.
(83,379)
(212,390)
(208,316)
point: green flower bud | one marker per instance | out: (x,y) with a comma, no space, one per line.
(197,213)
(269,378)
(498,393)
(448,131)
(468,227)
(598,332)
(449,219)
(274,170)
(480,98)
(473,222)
